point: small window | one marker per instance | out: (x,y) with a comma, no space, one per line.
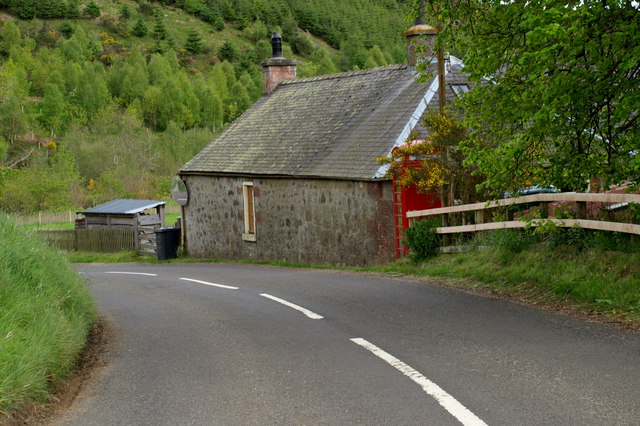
(249,212)
(460,89)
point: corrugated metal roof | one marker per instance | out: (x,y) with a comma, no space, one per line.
(333,126)
(124,207)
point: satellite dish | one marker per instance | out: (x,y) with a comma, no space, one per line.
(179,191)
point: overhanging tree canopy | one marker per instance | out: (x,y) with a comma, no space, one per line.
(559,101)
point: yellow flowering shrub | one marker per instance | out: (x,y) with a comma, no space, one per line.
(435,162)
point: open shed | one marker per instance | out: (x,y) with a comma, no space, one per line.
(123,214)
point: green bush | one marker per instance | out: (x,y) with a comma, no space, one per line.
(46,313)
(92,10)
(140,28)
(228,52)
(422,239)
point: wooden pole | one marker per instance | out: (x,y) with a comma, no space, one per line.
(442,88)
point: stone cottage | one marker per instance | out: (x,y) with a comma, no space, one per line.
(295,177)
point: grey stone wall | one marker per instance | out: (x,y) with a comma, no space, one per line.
(298,220)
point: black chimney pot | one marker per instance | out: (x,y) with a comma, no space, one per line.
(276,45)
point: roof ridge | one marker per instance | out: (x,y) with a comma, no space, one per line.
(346,74)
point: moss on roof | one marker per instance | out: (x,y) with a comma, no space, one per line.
(333,126)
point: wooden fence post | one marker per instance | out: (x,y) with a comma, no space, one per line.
(136,235)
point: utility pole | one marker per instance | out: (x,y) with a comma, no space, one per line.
(442,88)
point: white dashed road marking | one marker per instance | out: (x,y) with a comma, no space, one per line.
(307,312)
(132,273)
(456,409)
(228,287)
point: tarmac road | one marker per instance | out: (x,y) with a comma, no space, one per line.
(223,344)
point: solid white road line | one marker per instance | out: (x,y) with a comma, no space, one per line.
(131,273)
(228,287)
(456,409)
(307,312)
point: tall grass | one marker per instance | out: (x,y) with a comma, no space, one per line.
(46,312)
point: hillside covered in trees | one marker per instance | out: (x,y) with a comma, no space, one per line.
(106,99)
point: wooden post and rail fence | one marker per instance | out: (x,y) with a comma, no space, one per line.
(103,240)
(585,208)
(141,237)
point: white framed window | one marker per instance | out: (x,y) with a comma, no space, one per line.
(249,212)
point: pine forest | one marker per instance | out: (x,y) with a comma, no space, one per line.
(107,99)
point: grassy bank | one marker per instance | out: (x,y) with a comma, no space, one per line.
(46,312)
(596,282)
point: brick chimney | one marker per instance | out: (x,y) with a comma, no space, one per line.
(420,34)
(277,68)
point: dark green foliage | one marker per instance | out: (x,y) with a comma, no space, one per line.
(422,239)
(66,29)
(194,43)
(353,53)
(51,9)
(72,10)
(289,28)
(376,22)
(27,10)
(261,51)
(92,10)
(302,44)
(228,52)
(125,13)
(218,23)
(43,9)
(140,28)
(159,30)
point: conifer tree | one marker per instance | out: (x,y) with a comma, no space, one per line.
(72,11)
(218,23)
(66,29)
(228,51)
(194,43)
(140,28)
(51,9)
(28,9)
(125,13)
(159,30)
(92,10)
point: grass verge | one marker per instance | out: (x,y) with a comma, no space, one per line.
(592,282)
(46,312)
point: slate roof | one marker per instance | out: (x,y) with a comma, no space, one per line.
(332,126)
(124,207)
